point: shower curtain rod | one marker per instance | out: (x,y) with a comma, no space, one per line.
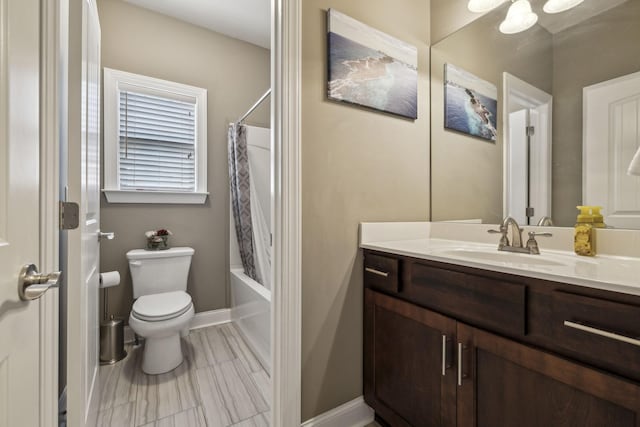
(254,106)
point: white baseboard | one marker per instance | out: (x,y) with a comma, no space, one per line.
(211,318)
(355,413)
(200,320)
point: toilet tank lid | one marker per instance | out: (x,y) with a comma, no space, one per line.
(146,254)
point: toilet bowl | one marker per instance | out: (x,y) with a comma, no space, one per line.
(163,310)
(161,319)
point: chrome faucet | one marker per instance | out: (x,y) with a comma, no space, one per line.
(515,245)
(545,221)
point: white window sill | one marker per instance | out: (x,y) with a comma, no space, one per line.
(158,197)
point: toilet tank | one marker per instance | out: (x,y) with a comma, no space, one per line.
(154,272)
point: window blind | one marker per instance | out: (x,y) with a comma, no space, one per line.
(157,143)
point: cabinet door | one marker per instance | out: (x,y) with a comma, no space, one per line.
(508,384)
(409,376)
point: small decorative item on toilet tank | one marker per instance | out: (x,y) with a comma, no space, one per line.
(158,240)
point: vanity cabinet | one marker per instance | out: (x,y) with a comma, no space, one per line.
(446,345)
(407,350)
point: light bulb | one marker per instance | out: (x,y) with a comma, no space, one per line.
(519,18)
(481,6)
(557,6)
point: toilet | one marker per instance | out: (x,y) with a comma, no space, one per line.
(162,309)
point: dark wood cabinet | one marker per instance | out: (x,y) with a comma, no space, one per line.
(508,384)
(409,362)
(452,346)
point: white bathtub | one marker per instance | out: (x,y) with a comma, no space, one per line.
(251,313)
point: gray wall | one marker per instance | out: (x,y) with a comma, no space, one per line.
(357,165)
(596,50)
(467,171)
(235,74)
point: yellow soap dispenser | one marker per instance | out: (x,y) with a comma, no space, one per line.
(583,242)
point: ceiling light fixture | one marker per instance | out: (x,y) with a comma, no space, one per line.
(519,18)
(481,6)
(557,6)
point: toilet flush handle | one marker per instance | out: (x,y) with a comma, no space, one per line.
(135,263)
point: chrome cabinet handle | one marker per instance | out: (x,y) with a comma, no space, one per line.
(32,285)
(601,332)
(444,355)
(378,272)
(459,364)
(461,374)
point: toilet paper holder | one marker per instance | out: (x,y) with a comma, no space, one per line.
(111,329)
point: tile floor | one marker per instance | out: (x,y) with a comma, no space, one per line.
(219,384)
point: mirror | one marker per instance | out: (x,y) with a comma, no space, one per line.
(536,159)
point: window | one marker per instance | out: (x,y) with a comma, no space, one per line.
(155,140)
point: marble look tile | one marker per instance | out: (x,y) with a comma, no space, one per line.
(240,349)
(260,420)
(166,394)
(120,416)
(235,395)
(220,347)
(263,383)
(199,349)
(219,384)
(193,417)
(209,347)
(250,386)
(118,380)
(211,396)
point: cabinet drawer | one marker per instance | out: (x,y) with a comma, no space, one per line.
(492,303)
(598,331)
(381,272)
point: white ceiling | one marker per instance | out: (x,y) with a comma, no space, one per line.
(248,20)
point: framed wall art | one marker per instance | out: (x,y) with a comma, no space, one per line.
(470,103)
(370,68)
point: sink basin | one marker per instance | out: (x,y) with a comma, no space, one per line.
(499,256)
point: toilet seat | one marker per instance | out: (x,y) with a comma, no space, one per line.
(163,306)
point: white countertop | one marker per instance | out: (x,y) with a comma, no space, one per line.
(417,240)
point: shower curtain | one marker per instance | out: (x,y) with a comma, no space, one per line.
(261,237)
(240,186)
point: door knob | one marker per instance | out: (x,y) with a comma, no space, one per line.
(108,236)
(32,285)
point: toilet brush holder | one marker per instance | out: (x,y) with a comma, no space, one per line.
(111,337)
(112,341)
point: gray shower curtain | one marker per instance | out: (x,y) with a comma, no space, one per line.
(239,182)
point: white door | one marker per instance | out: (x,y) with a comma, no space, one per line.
(527,150)
(21,374)
(517,167)
(611,134)
(83,181)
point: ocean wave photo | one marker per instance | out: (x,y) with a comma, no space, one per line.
(367,76)
(466,109)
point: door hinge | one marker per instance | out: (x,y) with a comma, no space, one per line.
(69,215)
(531,130)
(529,212)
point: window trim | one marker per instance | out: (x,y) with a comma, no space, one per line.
(114,81)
